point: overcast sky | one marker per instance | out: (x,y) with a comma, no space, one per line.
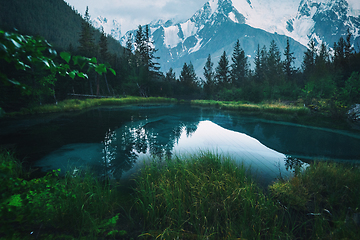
(131,13)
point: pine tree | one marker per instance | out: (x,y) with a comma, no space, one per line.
(274,65)
(104,58)
(150,51)
(308,64)
(103,43)
(258,65)
(323,58)
(222,74)
(170,76)
(146,52)
(209,86)
(188,78)
(289,60)
(240,66)
(129,44)
(87,45)
(139,46)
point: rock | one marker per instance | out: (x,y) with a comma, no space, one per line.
(354,113)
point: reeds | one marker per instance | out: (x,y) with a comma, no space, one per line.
(204,197)
(324,201)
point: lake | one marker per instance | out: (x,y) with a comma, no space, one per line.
(117,141)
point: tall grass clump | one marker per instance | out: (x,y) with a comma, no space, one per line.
(204,197)
(74,206)
(323,200)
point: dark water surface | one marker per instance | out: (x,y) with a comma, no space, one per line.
(116,141)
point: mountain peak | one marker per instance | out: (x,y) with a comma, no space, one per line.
(219,23)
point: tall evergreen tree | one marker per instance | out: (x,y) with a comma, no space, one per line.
(150,51)
(240,66)
(86,40)
(188,79)
(288,62)
(343,53)
(209,85)
(222,73)
(129,44)
(104,58)
(103,44)
(308,64)
(323,58)
(139,46)
(87,43)
(274,65)
(170,76)
(258,67)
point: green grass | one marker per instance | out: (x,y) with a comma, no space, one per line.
(324,200)
(203,196)
(77,105)
(277,108)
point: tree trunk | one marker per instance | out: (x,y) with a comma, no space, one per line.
(97,79)
(107,85)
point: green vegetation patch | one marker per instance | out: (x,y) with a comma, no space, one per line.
(76,104)
(277,108)
(323,200)
(203,197)
(78,205)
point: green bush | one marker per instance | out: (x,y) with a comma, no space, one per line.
(78,205)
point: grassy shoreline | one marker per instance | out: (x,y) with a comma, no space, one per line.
(77,105)
(277,108)
(205,196)
(294,112)
(70,105)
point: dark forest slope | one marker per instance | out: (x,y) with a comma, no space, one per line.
(54,20)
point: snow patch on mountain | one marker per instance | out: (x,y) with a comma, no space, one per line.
(197,45)
(111,27)
(233,17)
(171,36)
(188,29)
(213,5)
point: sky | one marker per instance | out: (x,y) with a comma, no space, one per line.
(131,13)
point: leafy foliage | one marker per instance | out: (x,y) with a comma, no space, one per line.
(77,203)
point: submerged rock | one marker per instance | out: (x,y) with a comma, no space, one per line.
(354,113)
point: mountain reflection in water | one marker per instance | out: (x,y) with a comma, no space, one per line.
(116,141)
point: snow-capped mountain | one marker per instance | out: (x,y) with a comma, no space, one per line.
(219,23)
(111,27)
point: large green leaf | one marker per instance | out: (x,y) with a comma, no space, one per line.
(66,56)
(100,69)
(112,70)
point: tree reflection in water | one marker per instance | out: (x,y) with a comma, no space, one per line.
(123,146)
(293,164)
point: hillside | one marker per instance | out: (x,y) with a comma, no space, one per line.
(54,20)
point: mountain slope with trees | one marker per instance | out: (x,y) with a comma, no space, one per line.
(54,20)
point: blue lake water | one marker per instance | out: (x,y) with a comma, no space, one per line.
(116,141)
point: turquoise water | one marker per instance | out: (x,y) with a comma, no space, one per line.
(116,141)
